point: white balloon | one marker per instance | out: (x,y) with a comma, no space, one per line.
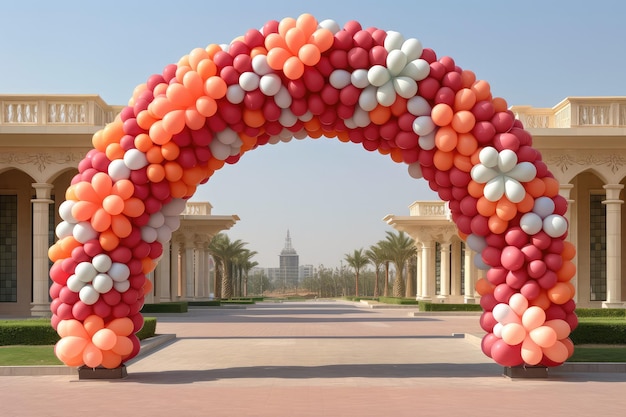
(330,25)
(283,98)
(405,87)
(273,140)
(514,191)
(249,81)
(423,125)
(174,207)
(121,286)
(156,220)
(83,232)
(555,225)
(482,174)
(173,222)
(219,150)
(531,223)
(270,84)
(488,156)
(339,79)
(367,99)
(393,40)
(287,118)
(412,48)
(504,314)
(85,271)
(118,170)
(74,284)
(64,229)
(235,94)
(476,243)
(479,263)
(359,78)
(418,69)
(260,65)
(306,116)
(378,75)
(135,159)
(102,262)
(361,117)
(418,106)
(119,272)
(88,295)
(396,61)
(415,170)
(102,283)
(507,159)
(164,234)
(497,330)
(494,189)
(427,142)
(148,234)
(524,172)
(386,94)
(65,211)
(543,207)
(227,136)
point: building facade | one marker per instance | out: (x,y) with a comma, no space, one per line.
(583,142)
(42,140)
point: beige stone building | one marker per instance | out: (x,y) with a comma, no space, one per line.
(583,142)
(43,138)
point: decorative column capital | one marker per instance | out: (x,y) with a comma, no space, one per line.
(612,193)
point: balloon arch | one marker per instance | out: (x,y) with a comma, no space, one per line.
(303,78)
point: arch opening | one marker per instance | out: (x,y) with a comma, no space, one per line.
(303,78)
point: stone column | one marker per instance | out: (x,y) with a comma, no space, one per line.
(189,274)
(444,278)
(613,246)
(418,275)
(428,270)
(163,274)
(455,268)
(201,267)
(40,305)
(471,273)
(175,270)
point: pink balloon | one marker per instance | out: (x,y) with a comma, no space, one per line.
(503,292)
(492,256)
(512,258)
(497,275)
(531,253)
(488,302)
(506,141)
(516,279)
(487,343)
(428,87)
(530,290)
(548,280)
(515,236)
(480,225)
(553,261)
(484,132)
(445,95)
(487,321)
(503,121)
(506,355)
(536,268)
(483,111)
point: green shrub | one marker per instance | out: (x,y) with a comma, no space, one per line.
(601,312)
(205,303)
(398,300)
(170,307)
(27,332)
(599,332)
(426,306)
(237,301)
(148,329)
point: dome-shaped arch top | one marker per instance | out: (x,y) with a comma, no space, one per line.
(304,78)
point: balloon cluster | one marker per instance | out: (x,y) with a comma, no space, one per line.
(303,78)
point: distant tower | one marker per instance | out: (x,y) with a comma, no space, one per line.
(289,265)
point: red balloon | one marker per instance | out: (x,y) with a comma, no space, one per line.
(548,280)
(445,95)
(428,87)
(113,297)
(349,95)
(242,61)
(55,290)
(541,240)
(516,279)
(530,290)
(503,141)
(378,55)
(536,268)
(488,302)
(448,63)
(532,252)
(101,308)
(492,256)
(503,292)
(429,55)
(515,236)
(487,321)
(68,296)
(338,58)
(480,224)
(468,206)
(506,355)
(120,310)
(487,343)
(81,311)
(313,80)
(437,70)
(503,121)
(483,110)
(484,132)
(452,80)
(512,258)
(496,275)
(555,312)
(58,272)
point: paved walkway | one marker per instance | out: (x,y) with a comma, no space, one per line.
(321,359)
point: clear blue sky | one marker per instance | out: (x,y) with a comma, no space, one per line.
(331,196)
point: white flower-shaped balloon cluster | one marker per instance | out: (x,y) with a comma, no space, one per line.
(163,223)
(543,217)
(502,174)
(90,279)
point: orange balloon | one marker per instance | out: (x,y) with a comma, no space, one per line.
(253,118)
(154,155)
(485,207)
(110,359)
(215,87)
(380,115)
(215,164)
(147,265)
(396,155)
(307,23)
(443,161)
(560,293)
(206,106)
(108,240)
(398,108)
(313,125)
(160,106)
(193,176)
(475,157)
(295,39)
(468,78)
(535,187)
(179,95)
(123,347)
(466,144)
(206,68)
(566,272)
(569,250)
(196,56)
(441,114)
(497,225)
(100,220)
(257,50)
(155,172)
(274,40)
(323,38)
(475,189)
(170,151)
(143,142)
(174,121)
(499,104)
(482,89)
(193,83)
(464,99)
(484,287)
(193,119)
(463,162)
(84,210)
(552,186)
(309,54)
(505,209)
(123,188)
(144,120)
(159,91)
(212,49)
(114,151)
(446,139)
(173,171)
(463,121)
(113,204)
(98,142)
(113,132)
(293,68)
(68,244)
(158,134)
(134,207)
(542,301)
(277,57)
(178,189)
(527,203)
(285,24)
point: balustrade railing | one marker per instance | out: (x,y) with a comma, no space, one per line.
(575,112)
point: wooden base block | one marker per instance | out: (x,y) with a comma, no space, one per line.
(102,373)
(526,371)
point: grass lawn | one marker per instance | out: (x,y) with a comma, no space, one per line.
(28,356)
(589,353)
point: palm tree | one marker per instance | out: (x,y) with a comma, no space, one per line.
(401,248)
(386,251)
(376,255)
(242,265)
(357,260)
(225,253)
